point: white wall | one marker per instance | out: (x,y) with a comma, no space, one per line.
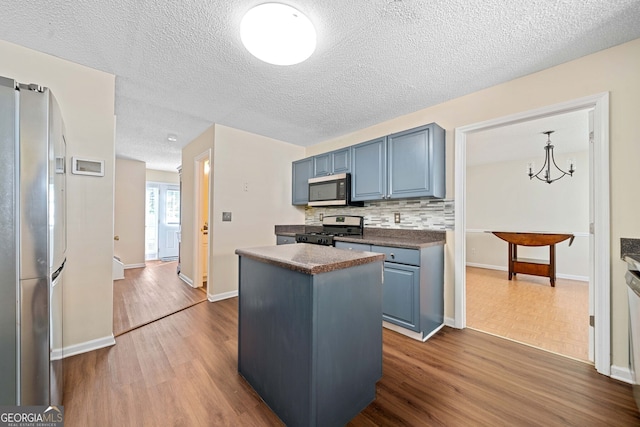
(262,166)
(129,212)
(239,158)
(86,98)
(613,70)
(501,197)
(162,176)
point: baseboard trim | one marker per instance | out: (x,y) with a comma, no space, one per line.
(185,279)
(407,333)
(127,266)
(86,346)
(222,296)
(621,374)
(450,321)
(501,268)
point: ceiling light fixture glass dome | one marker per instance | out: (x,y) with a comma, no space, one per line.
(278,34)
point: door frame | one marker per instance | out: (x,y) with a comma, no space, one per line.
(162,189)
(599,199)
(199,161)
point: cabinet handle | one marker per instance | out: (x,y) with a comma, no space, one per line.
(392,256)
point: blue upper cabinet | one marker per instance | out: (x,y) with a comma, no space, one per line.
(341,160)
(406,164)
(368,170)
(302,170)
(415,163)
(322,164)
(333,162)
(403,165)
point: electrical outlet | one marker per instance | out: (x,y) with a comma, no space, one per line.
(396,217)
(226,216)
(245,187)
(321,216)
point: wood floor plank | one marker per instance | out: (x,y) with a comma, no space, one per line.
(149,293)
(456,378)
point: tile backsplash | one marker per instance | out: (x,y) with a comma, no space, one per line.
(416,214)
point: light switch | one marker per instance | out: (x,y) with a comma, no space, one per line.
(226,216)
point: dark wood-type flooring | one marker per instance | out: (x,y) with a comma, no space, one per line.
(149,293)
(182,371)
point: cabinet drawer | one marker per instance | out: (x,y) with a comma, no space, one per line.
(353,246)
(285,240)
(399,255)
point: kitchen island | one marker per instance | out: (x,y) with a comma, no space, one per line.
(309,330)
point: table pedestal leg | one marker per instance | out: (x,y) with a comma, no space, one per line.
(552,265)
(513,254)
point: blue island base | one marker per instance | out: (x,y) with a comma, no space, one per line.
(311,345)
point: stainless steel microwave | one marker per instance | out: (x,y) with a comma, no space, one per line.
(331,190)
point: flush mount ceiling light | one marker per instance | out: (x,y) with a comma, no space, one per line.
(548,161)
(278,34)
(172,137)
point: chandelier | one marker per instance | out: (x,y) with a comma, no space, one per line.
(544,174)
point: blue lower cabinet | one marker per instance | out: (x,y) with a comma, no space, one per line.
(401,295)
(413,287)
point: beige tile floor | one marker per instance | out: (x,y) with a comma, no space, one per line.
(527,309)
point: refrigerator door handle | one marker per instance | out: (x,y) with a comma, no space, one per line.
(56,273)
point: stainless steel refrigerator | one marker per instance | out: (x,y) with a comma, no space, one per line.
(32,244)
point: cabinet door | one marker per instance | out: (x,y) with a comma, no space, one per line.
(368,170)
(416,162)
(401,295)
(322,165)
(302,170)
(409,163)
(341,160)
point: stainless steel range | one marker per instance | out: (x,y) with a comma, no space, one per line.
(333,225)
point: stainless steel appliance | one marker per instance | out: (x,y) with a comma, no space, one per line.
(333,225)
(331,190)
(633,290)
(33,248)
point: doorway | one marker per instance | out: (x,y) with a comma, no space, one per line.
(162,221)
(501,196)
(599,227)
(203,235)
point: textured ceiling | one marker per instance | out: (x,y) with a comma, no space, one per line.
(180,65)
(525,141)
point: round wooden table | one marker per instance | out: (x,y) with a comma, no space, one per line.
(536,267)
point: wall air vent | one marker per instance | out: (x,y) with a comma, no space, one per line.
(81,166)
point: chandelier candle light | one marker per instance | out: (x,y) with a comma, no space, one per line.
(548,160)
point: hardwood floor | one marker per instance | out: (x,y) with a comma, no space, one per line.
(182,370)
(149,293)
(528,310)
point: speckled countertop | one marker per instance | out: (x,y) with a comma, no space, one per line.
(630,252)
(309,259)
(397,238)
